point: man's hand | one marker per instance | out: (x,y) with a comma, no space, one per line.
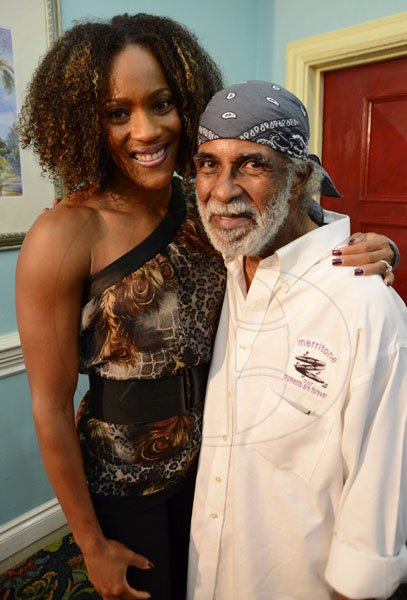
(370,253)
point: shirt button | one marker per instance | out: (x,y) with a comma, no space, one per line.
(242,347)
(225,438)
(218,479)
(229,394)
(214,515)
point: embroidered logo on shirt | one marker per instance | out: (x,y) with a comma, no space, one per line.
(313,362)
(310,367)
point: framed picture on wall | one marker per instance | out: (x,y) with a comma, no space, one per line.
(27,30)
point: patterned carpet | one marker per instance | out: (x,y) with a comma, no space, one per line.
(57,572)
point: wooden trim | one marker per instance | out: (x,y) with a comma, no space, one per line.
(307,60)
(14,239)
(11,241)
(11,356)
(30,527)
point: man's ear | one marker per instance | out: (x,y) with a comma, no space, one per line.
(301,178)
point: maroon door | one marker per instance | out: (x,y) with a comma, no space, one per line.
(365,150)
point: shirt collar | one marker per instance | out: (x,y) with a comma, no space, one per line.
(297,257)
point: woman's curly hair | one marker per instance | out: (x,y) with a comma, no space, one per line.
(63,115)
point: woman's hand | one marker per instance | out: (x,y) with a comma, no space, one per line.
(370,253)
(107,567)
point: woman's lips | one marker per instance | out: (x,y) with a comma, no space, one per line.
(151,157)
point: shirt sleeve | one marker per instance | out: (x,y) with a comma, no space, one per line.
(368,555)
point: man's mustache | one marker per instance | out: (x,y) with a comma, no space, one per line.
(233,208)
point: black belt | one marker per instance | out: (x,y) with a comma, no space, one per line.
(146,400)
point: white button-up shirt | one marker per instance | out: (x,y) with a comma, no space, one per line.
(302,481)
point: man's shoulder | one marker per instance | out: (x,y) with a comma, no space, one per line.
(364,299)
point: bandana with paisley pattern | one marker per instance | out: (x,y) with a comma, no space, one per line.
(265,113)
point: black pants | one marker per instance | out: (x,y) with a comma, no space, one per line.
(156,526)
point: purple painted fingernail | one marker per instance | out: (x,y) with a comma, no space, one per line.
(336,261)
(358,271)
(337,252)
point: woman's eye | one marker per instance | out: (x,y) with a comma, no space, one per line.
(118,114)
(164,104)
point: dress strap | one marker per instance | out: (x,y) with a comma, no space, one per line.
(137,257)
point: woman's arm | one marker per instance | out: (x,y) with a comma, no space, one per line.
(365,251)
(53,265)
(368,252)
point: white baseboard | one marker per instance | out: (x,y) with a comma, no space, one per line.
(30,527)
(11,356)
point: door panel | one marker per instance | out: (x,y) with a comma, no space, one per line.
(386,169)
(365,149)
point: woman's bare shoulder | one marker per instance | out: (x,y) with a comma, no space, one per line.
(74,215)
(63,235)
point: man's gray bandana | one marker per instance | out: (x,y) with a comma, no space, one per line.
(265,113)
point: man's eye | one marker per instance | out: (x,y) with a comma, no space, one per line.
(206,166)
(253,165)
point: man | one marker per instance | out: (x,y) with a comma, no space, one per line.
(301,490)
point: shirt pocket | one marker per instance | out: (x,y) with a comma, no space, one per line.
(292,438)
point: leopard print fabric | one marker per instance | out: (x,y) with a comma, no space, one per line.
(149,323)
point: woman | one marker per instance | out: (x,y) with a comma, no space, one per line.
(122,260)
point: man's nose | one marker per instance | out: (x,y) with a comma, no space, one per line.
(225,187)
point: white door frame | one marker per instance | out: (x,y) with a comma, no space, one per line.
(307,60)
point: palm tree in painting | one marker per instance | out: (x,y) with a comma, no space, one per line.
(7,75)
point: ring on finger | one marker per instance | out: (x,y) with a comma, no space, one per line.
(389,268)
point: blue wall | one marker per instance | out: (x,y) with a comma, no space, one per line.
(8,259)
(23,482)
(226,28)
(247,38)
(282,21)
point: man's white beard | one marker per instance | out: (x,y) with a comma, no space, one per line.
(253,239)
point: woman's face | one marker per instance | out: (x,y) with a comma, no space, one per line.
(143,126)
